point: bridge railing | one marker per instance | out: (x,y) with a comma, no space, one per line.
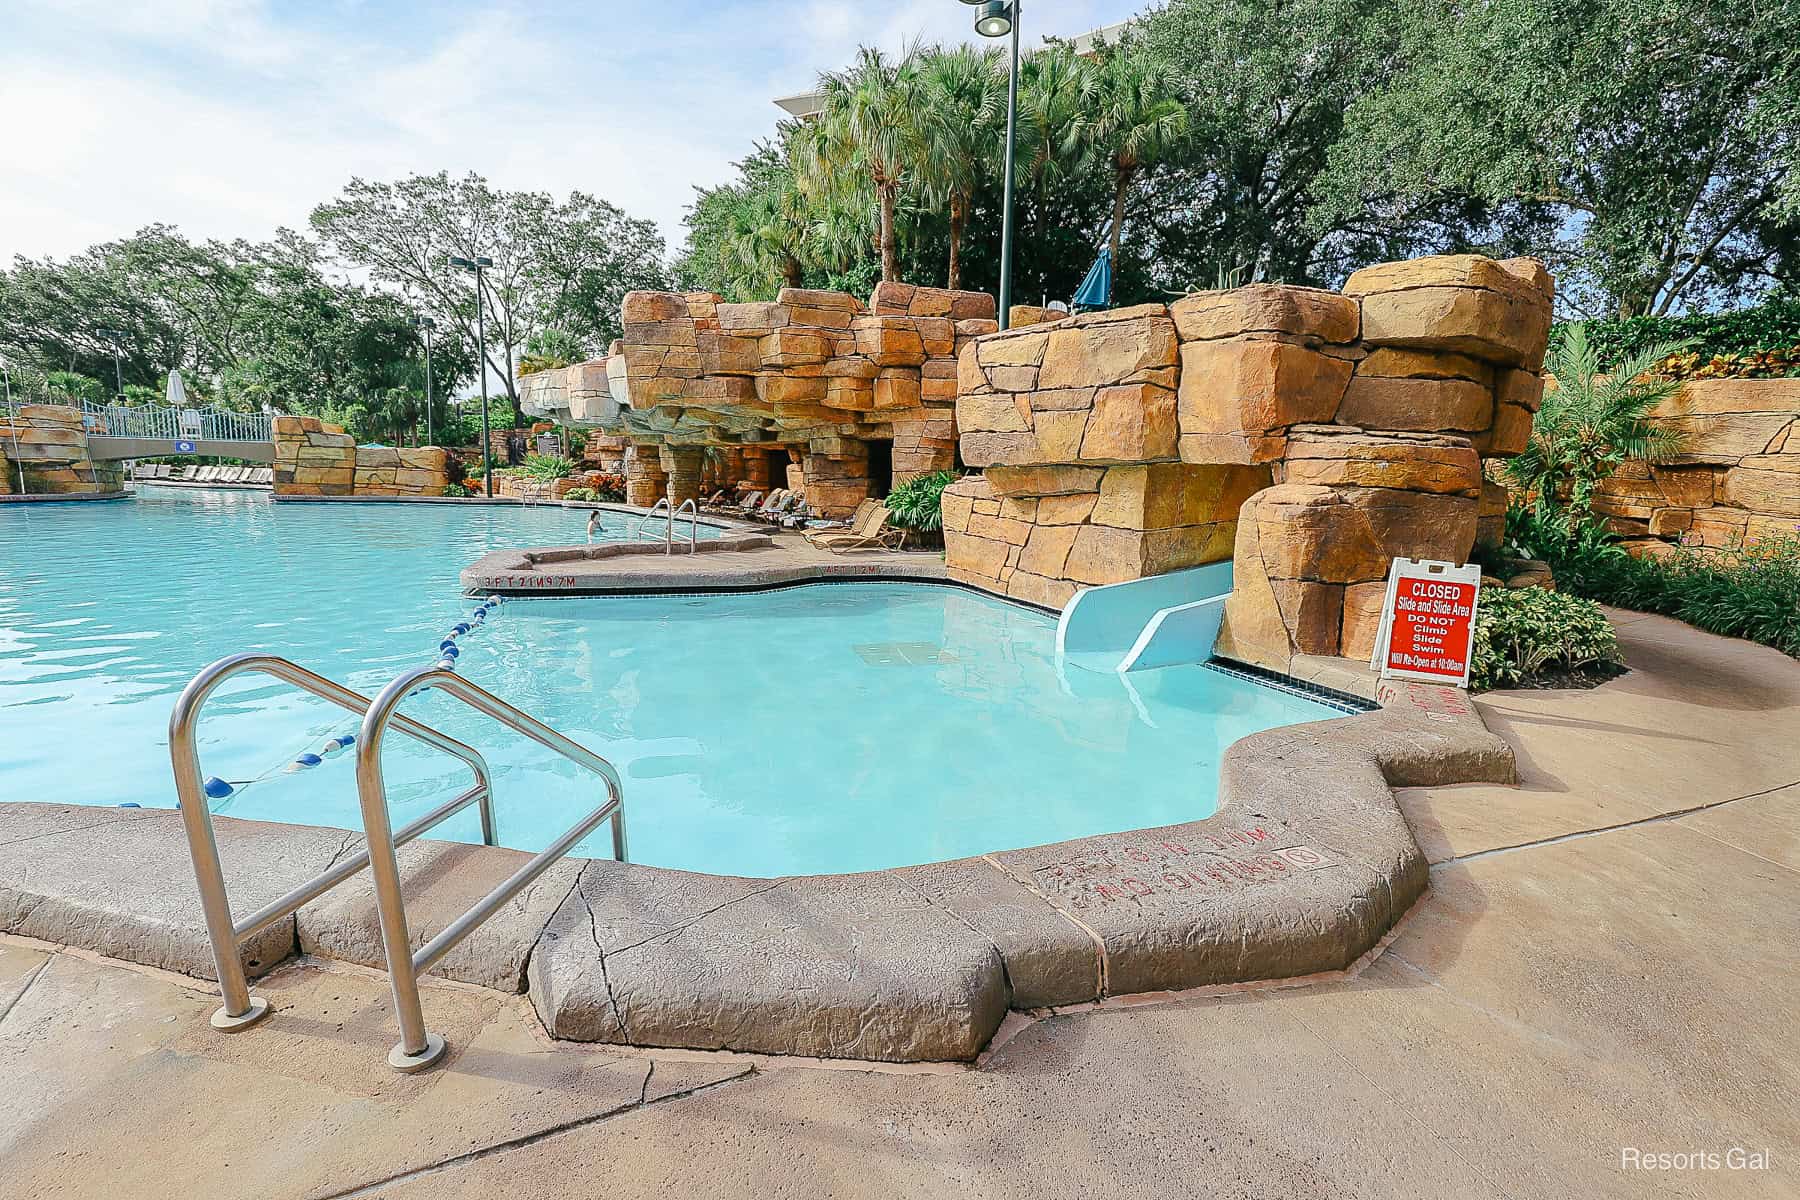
(177,424)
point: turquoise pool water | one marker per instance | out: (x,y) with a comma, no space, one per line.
(827,728)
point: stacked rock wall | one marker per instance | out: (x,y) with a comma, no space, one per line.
(47,444)
(1309,435)
(1735,478)
(316,459)
(815,373)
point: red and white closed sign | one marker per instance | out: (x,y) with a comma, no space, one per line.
(1428,621)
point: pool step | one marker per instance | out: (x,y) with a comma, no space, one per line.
(1159,621)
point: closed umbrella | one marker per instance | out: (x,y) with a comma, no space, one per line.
(1096,290)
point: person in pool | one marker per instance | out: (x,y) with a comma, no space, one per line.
(593,523)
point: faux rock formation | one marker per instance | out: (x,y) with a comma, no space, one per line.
(1138,441)
(313,458)
(46,446)
(709,391)
(1734,478)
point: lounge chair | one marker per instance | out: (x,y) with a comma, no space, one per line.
(234,475)
(161,470)
(714,502)
(773,513)
(873,533)
(775,497)
(746,503)
(819,525)
(264,476)
(186,474)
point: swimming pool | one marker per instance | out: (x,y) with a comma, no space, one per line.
(827,728)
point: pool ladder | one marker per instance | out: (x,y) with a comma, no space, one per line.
(663,506)
(418,1048)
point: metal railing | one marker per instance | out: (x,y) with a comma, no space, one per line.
(689,505)
(419,1048)
(240,1009)
(177,424)
(637,525)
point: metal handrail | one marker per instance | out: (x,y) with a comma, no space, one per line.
(418,1048)
(166,423)
(693,525)
(240,1009)
(637,525)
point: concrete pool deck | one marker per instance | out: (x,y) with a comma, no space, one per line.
(749,558)
(1589,972)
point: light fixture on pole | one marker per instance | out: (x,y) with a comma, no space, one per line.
(478,265)
(425,325)
(998,18)
(115,336)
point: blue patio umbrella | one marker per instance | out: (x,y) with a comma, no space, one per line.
(1096,290)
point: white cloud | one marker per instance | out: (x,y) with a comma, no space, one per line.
(222,118)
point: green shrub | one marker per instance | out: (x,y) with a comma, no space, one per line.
(1771,326)
(1524,634)
(455,489)
(919,503)
(579,494)
(547,467)
(1739,591)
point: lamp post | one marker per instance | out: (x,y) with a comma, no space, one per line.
(115,336)
(478,265)
(993,19)
(425,325)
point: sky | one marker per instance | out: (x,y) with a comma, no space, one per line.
(230,118)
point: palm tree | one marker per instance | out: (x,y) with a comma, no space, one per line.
(1593,422)
(1052,125)
(1135,120)
(868,128)
(767,236)
(965,96)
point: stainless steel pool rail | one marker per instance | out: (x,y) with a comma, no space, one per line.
(419,1048)
(663,506)
(691,506)
(240,1009)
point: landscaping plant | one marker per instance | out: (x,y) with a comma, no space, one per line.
(581,493)
(1739,591)
(1591,423)
(547,468)
(1534,634)
(918,503)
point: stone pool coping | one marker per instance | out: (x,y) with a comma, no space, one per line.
(60,497)
(1305,867)
(759,560)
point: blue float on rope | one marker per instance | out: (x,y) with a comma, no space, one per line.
(337,745)
(447,664)
(128,805)
(304,763)
(450,651)
(217,788)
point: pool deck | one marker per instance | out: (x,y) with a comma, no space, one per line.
(750,558)
(1604,960)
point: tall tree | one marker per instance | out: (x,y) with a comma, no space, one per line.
(869,127)
(1661,136)
(965,111)
(551,262)
(1266,84)
(1135,121)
